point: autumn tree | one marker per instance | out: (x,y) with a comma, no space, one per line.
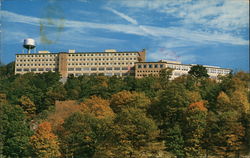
(194,128)
(225,132)
(126,99)
(97,106)
(82,135)
(133,131)
(28,106)
(44,142)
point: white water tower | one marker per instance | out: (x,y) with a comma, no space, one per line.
(29,44)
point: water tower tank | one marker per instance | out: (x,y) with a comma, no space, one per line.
(29,43)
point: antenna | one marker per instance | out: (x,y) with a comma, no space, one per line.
(29,44)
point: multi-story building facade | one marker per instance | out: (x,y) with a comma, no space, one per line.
(109,63)
(143,69)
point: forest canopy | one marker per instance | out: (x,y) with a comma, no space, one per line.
(100,116)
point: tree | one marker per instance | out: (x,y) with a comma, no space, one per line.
(82,135)
(198,71)
(134,131)
(15,131)
(44,142)
(126,99)
(28,106)
(98,107)
(194,127)
(225,132)
(164,76)
(175,141)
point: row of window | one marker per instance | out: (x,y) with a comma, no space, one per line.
(179,67)
(37,64)
(95,68)
(36,69)
(81,54)
(103,54)
(183,68)
(101,59)
(144,75)
(219,71)
(28,60)
(150,66)
(95,74)
(100,63)
(37,55)
(155,73)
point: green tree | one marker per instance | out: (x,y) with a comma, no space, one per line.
(15,131)
(164,76)
(225,132)
(28,106)
(168,110)
(82,135)
(133,131)
(198,71)
(194,128)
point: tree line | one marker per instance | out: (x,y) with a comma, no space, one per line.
(100,116)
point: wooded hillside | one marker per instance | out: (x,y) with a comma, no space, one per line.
(99,116)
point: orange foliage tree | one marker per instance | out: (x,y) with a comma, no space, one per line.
(44,142)
(194,125)
(97,106)
(127,99)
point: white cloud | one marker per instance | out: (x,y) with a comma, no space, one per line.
(226,15)
(167,54)
(140,30)
(124,16)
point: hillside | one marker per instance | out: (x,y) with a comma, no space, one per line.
(100,116)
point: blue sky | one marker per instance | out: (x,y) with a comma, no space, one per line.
(208,32)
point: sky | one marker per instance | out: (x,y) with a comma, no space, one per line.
(207,32)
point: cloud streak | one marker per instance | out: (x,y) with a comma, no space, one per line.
(124,16)
(227,15)
(148,31)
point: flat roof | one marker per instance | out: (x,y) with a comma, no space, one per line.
(206,66)
(80,53)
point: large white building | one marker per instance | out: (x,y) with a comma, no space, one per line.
(109,63)
(143,69)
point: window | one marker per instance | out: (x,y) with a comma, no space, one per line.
(117,68)
(124,68)
(85,69)
(78,69)
(161,65)
(93,69)
(150,66)
(48,69)
(70,69)
(101,68)
(109,68)
(33,69)
(108,74)
(144,66)
(156,65)
(18,69)
(26,69)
